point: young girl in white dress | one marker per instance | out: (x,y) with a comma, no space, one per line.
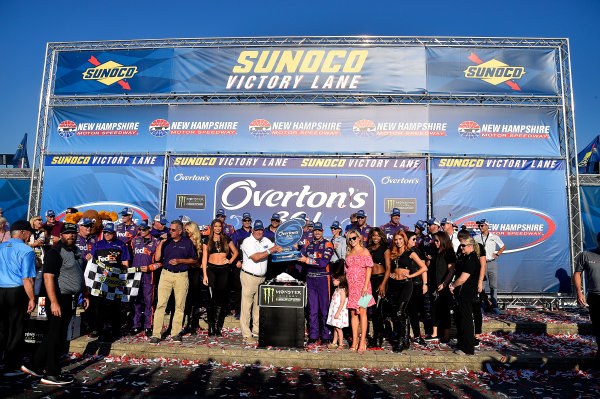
(338,311)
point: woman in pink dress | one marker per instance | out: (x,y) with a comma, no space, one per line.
(358,273)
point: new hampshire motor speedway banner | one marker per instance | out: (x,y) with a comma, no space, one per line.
(113,284)
(326,189)
(304,128)
(103,183)
(303,69)
(526,205)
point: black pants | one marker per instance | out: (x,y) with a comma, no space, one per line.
(235,287)
(416,308)
(399,294)
(594,301)
(54,345)
(376,281)
(106,311)
(440,311)
(194,296)
(218,281)
(465,328)
(477,315)
(13,319)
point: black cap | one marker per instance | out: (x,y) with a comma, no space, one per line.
(68,228)
(21,225)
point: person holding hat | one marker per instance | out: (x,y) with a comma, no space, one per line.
(127,229)
(490,242)
(272,228)
(255,251)
(85,240)
(393,225)
(109,253)
(144,246)
(339,248)
(316,256)
(234,277)
(17,271)
(159,227)
(362,227)
(52,227)
(64,281)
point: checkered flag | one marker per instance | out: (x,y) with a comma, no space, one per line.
(112,283)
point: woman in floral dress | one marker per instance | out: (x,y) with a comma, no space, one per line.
(358,273)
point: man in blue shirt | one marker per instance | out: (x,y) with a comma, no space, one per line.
(17,271)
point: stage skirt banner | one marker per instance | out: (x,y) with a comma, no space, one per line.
(310,70)
(305,128)
(327,189)
(103,183)
(112,283)
(525,203)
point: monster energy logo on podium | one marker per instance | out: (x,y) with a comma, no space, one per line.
(282,296)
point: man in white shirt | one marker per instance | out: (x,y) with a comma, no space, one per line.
(448,227)
(490,241)
(255,251)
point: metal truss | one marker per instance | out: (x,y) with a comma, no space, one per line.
(589,180)
(306,41)
(545,301)
(15,173)
(308,98)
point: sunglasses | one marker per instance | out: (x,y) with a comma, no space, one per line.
(173,229)
(360,217)
(246,220)
(465,245)
(353,238)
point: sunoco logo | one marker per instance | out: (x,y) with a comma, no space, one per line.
(260,128)
(268,295)
(109,73)
(159,128)
(494,72)
(364,128)
(520,228)
(67,129)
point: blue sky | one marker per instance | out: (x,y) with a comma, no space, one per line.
(26,27)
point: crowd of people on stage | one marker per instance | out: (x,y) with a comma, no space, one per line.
(393,276)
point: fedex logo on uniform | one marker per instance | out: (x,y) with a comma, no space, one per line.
(324,197)
(519,228)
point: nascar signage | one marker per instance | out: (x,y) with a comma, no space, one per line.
(303,69)
(276,128)
(524,201)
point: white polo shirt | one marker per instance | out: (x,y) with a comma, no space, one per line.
(489,243)
(251,246)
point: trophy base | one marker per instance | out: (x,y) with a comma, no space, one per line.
(285,256)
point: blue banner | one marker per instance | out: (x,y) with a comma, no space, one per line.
(526,204)
(14,198)
(590,215)
(109,184)
(322,129)
(326,189)
(350,69)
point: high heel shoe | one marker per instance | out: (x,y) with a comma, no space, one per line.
(353,349)
(362,348)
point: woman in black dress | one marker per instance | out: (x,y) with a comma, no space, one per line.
(441,267)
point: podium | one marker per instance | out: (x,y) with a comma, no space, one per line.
(281,314)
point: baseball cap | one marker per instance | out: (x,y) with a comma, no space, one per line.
(220,212)
(361,214)
(318,226)
(447,220)
(258,225)
(68,228)
(421,224)
(184,219)
(85,222)
(302,216)
(434,221)
(160,218)
(127,211)
(395,212)
(50,214)
(21,225)
(275,217)
(109,227)
(144,225)
(335,225)
(310,224)
(246,215)
(484,221)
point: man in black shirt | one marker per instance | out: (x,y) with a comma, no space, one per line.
(63,279)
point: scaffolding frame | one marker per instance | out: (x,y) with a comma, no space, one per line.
(563,102)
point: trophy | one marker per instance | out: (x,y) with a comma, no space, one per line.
(286,236)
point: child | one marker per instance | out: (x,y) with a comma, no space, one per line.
(338,311)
